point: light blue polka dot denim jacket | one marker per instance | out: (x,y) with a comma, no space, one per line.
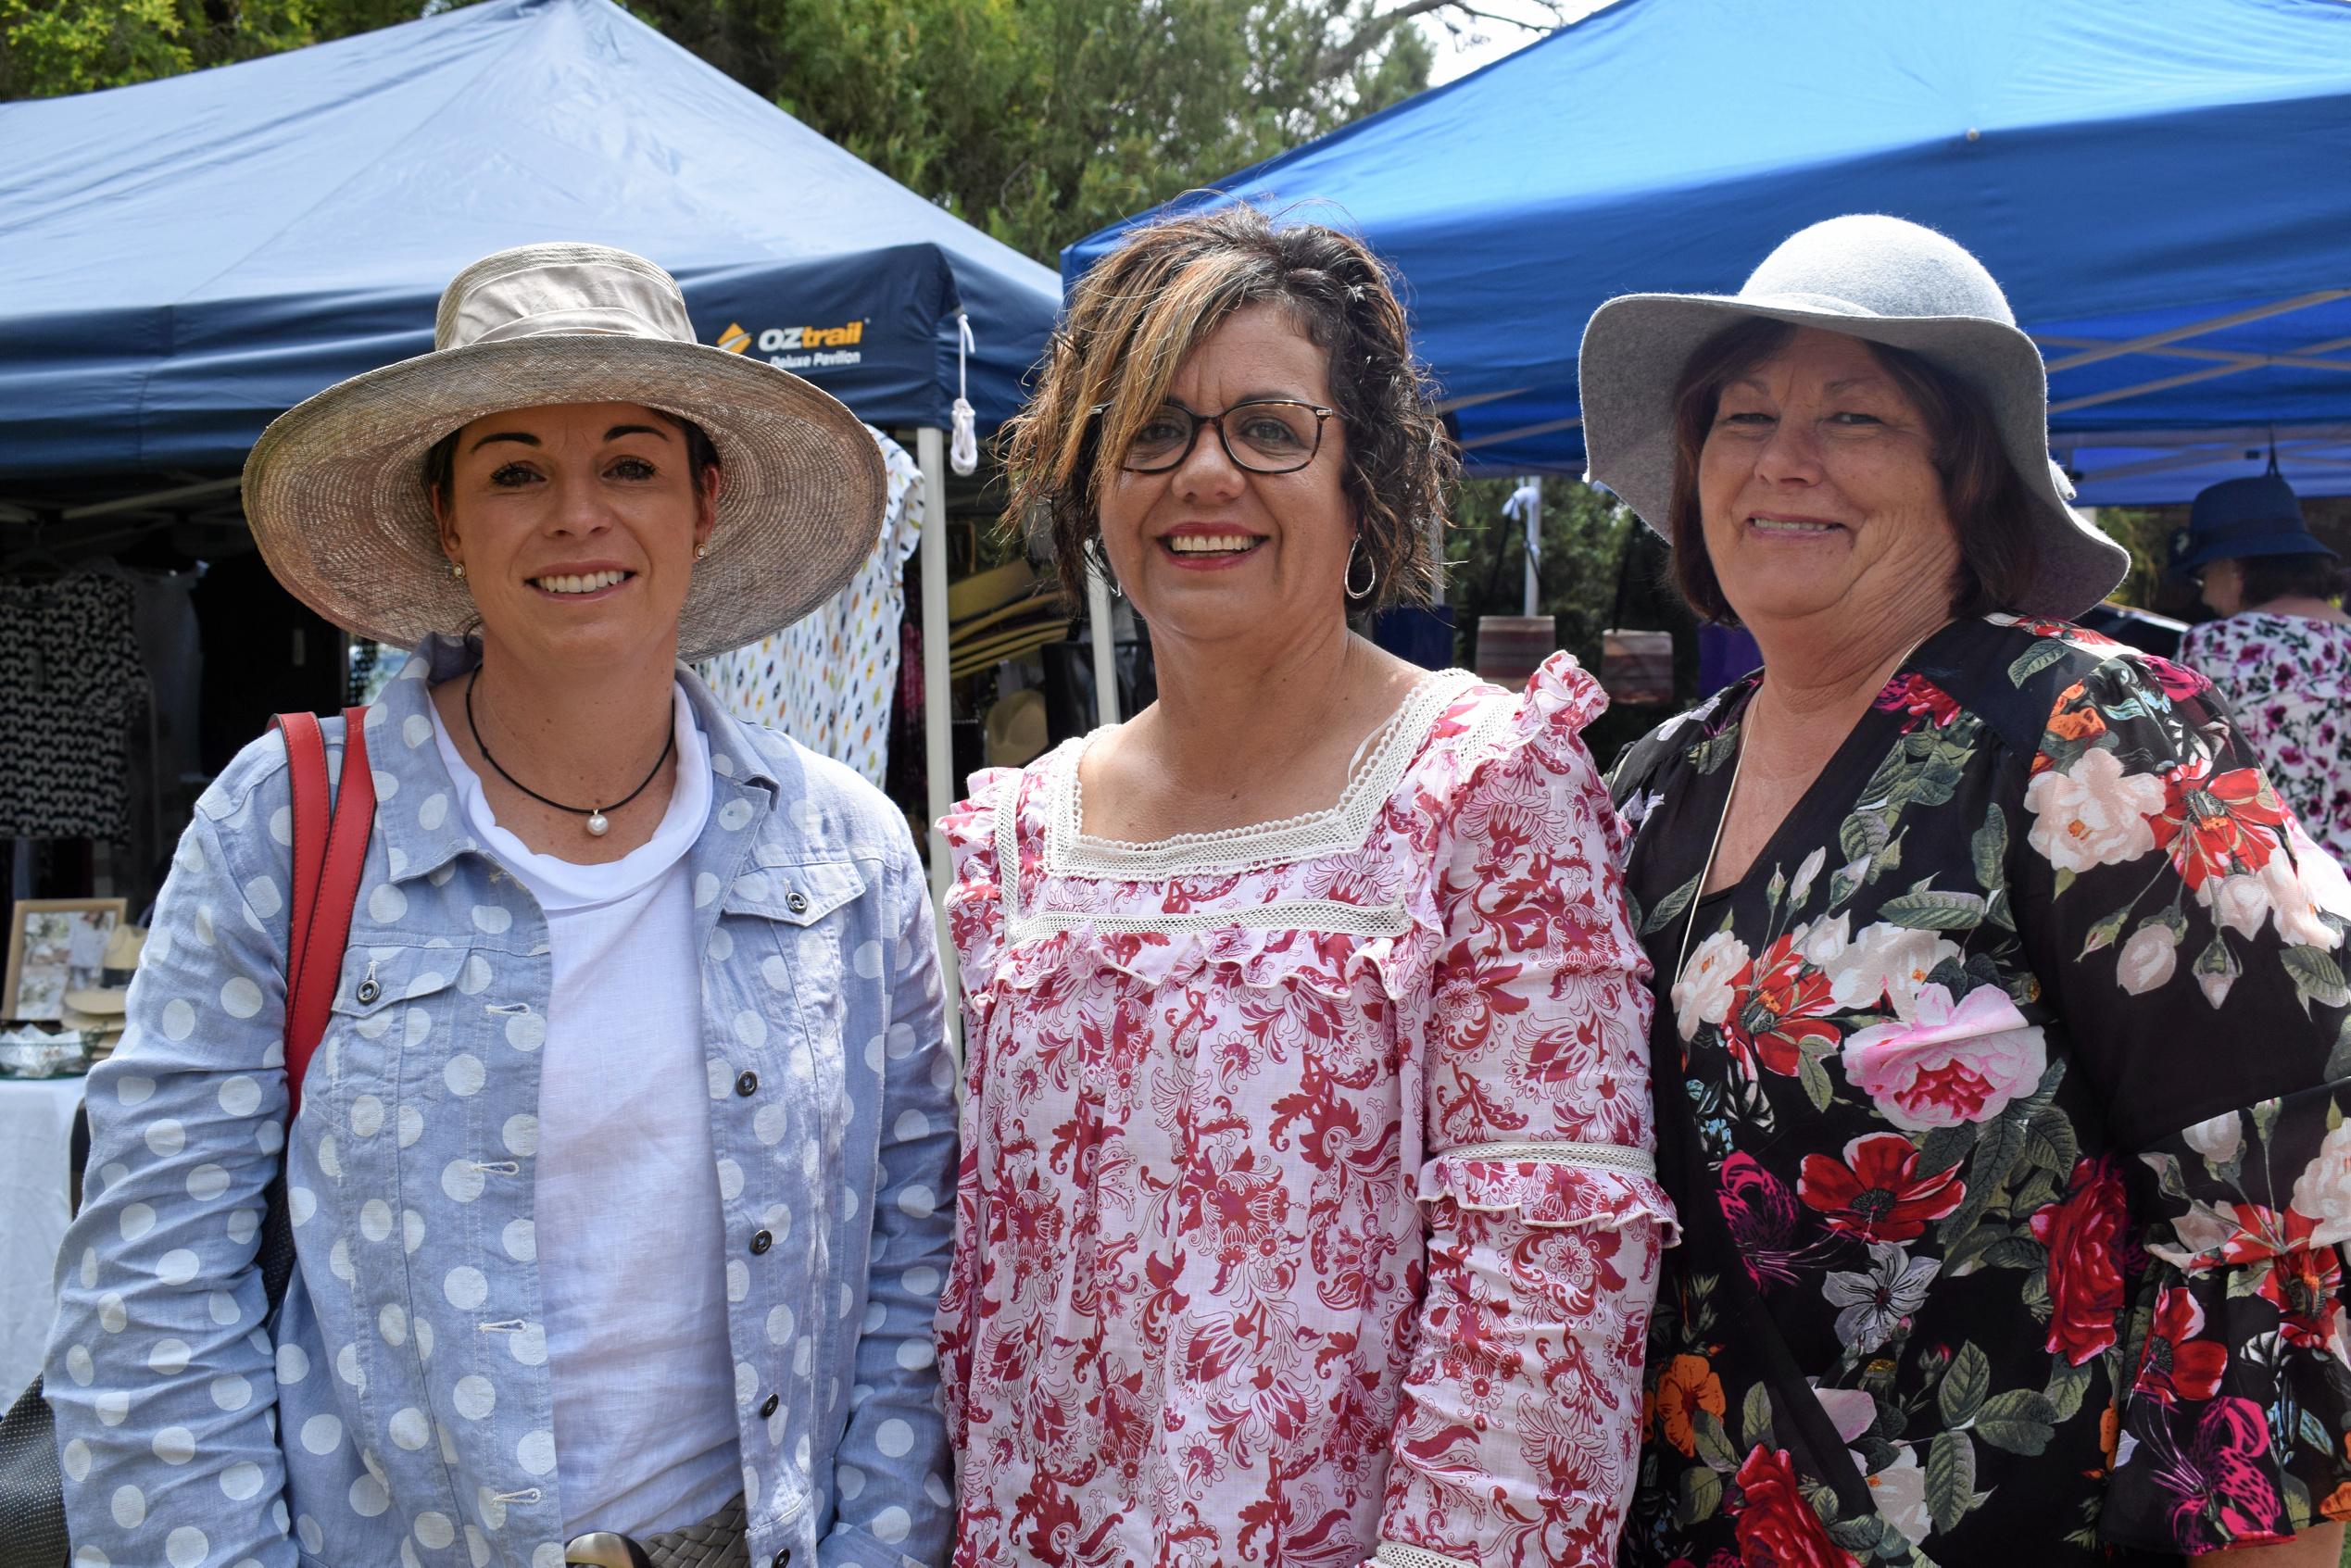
(416,1414)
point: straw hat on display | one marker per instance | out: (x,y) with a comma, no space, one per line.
(1879,279)
(98,1012)
(335,491)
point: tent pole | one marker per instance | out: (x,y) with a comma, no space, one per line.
(938,743)
(1097,607)
(1534,593)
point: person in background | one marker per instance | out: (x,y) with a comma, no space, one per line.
(1307,1214)
(2280,652)
(1999,1075)
(613,1185)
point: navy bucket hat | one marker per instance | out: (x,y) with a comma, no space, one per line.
(2238,519)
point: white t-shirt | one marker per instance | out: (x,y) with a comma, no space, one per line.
(629,1237)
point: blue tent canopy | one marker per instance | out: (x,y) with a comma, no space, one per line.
(2162,186)
(186,258)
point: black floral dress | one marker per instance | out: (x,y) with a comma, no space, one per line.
(2014,1071)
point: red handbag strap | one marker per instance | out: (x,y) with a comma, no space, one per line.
(307,773)
(329,852)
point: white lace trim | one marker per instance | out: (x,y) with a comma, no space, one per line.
(1069,851)
(1596,1156)
(1288,914)
(1396,1554)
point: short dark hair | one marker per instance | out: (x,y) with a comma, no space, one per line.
(2311,576)
(1136,317)
(1990,508)
(440,460)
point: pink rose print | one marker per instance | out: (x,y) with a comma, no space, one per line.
(1946,1064)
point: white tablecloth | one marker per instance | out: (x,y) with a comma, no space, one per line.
(36,1131)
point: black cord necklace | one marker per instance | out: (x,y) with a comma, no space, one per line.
(598,824)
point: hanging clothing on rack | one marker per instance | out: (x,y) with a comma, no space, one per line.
(72,682)
(163,758)
(826,680)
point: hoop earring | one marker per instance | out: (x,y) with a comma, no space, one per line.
(1365,591)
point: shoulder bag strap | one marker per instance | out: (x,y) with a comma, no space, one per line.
(326,887)
(331,830)
(313,805)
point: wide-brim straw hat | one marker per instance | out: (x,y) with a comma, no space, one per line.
(1880,278)
(334,489)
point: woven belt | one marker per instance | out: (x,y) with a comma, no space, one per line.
(719,1541)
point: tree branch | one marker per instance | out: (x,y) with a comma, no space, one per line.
(1341,59)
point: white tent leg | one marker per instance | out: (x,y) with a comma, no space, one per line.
(938,742)
(1534,588)
(1098,606)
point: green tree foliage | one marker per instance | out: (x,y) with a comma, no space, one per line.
(1041,120)
(49,47)
(2147,534)
(1600,568)
(1585,535)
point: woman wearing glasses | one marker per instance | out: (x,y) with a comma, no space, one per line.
(1307,1215)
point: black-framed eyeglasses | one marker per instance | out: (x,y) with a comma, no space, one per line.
(1262,435)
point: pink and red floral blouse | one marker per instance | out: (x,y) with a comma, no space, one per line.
(2287,680)
(1306,1214)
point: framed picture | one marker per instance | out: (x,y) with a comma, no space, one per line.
(56,946)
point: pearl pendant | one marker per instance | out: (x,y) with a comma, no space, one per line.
(598,824)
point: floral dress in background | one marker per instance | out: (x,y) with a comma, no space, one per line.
(2287,682)
(1308,1210)
(2012,1071)
(827,679)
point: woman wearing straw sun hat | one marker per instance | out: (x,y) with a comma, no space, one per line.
(614,1179)
(2003,991)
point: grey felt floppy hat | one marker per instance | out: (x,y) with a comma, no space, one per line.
(1881,279)
(334,489)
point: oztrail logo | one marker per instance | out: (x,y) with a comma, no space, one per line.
(800,348)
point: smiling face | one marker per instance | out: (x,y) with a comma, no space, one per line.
(576,525)
(1818,487)
(1209,549)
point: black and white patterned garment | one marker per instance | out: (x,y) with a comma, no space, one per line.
(70,684)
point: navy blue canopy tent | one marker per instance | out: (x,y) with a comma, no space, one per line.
(2162,186)
(183,260)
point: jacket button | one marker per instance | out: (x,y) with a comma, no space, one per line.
(797,904)
(369,991)
(761,1242)
(768,1405)
(783,1559)
(747,1083)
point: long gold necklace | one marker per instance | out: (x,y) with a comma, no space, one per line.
(1738,766)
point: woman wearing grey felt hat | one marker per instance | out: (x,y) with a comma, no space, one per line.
(1964,920)
(613,1186)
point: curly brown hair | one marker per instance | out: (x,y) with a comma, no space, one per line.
(1146,307)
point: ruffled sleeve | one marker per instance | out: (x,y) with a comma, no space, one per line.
(975,905)
(2191,937)
(1519,1427)
(976,924)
